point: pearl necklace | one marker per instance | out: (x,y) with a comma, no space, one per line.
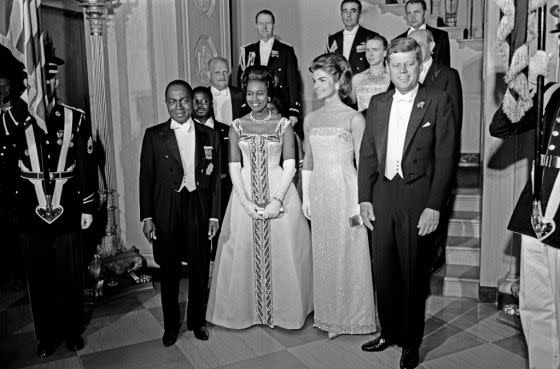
(260,121)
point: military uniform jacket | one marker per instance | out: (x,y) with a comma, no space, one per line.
(357,58)
(10,119)
(283,63)
(501,127)
(57,172)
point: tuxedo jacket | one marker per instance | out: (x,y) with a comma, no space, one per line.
(283,63)
(502,127)
(441,50)
(429,147)
(447,79)
(357,57)
(161,171)
(238,106)
(223,132)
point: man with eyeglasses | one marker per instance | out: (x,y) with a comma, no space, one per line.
(351,41)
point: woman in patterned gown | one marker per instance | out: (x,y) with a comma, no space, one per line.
(375,79)
(263,267)
(342,279)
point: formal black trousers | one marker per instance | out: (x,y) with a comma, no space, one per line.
(400,259)
(53,265)
(184,237)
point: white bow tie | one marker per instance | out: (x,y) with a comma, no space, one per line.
(406,99)
(175,125)
(345,32)
(224,92)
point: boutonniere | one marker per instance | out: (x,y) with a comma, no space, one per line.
(274,54)
(252,57)
(208,152)
(361,48)
(209,169)
(420,105)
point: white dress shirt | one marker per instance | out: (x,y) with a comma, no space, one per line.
(186,141)
(398,123)
(265,48)
(348,40)
(223,111)
(425,68)
(411,29)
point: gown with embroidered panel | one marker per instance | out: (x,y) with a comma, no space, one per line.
(365,85)
(342,278)
(263,268)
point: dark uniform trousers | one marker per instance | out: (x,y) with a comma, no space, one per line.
(182,233)
(400,259)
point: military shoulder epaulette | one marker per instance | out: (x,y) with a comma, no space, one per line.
(247,44)
(73,108)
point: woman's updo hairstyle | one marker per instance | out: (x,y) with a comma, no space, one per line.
(337,66)
(258,73)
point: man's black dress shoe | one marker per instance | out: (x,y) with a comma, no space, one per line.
(201,333)
(169,337)
(45,349)
(410,358)
(75,343)
(378,344)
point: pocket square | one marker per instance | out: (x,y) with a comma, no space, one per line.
(427,124)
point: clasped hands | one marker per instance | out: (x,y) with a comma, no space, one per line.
(272,210)
(429,219)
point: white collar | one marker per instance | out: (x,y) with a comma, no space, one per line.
(412,29)
(216,92)
(409,96)
(268,43)
(353,31)
(427,64)
(187,125)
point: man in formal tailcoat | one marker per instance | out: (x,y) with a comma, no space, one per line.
(180,177)
(447,79)
(416,19)
(404,179)
(280,58)
(203,114)
(351,41)
(228,101)
(57,197)
(539,293)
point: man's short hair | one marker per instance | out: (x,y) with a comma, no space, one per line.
(204,90)
(403,45)
(416,2)
(217,59)
(179,82)
(358,2)
(379,38)
(265,11)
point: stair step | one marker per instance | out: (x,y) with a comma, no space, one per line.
(461,281)
(463,251)
(464,224)
(466,199)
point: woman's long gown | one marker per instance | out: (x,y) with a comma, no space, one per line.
(263,268)
(366,85)
(342,279)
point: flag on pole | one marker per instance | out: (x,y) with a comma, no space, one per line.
(22,34)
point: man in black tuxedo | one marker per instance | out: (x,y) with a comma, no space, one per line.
(405,174)
(228,101)
(416,19)
(180,166)
(351,41)
(447,79)
(280,58)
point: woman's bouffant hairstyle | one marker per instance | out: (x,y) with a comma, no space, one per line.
(258,73)
(337,66)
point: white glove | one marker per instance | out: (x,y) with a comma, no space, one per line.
(273,208)
(538,66)
(305,206)
(239,187)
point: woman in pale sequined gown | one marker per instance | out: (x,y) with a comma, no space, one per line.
(375,79)
(263,267)
(342,279)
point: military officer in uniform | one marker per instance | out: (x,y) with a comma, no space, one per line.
(13,113)
(539,295)
(281,60)
(57,190)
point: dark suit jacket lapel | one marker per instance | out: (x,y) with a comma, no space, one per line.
(275,47)
(170,141)
(199,144)
(257,51)
(338,38)
(432,74)
(416,116)
(383,117)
